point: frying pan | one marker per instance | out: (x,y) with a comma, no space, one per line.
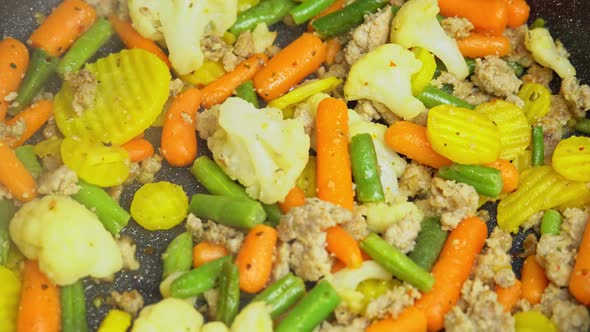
(569,21)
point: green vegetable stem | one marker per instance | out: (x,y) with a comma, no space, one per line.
(428,244)
(228,301)
(178,256)
(486,180)
(268,11)
(365,169)
(198,280)
(282,294)
(345,19)
(73,308)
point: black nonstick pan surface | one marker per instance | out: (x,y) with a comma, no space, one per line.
(568,21)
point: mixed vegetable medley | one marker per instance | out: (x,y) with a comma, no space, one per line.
(346,175)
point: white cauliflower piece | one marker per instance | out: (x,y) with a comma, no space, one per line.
(384,75)
(214,327)
(181,24)
(168,315)
(415,24)
(262,37)
(380,216)
(540,43)
(257,147)
(254,317)
(66,238)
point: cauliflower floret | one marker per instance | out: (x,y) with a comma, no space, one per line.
(169,314)
(258,148)
(182,25)
(384,75)
(68,240)
(254,317)
(540,43)
(416,25)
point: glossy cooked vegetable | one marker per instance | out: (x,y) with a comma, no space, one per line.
(159,205)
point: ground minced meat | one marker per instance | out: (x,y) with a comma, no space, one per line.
(357,325)
(128,301)
(538,74)
(518,53)
(211,231)
(416,180)
(148,169)
(84,85)
(211,297)
(567,314)
(457,27)
(403,233)
(213,47)
(462,89)
(372,110)
(304,113)
(280,261)
(106,8)
(493,266)
(452,201)
(367,36)
(60,181)
(494,76)
(577,96)
(392,303)
(554,125)
(127,248)
(14,132)
(208,122)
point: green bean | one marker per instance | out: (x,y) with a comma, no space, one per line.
(308,10)
(395,9)
(73,308)
(273,214)
(537,23)
(109,212)
(228,301)
(365,169)
(282,294)
(432,97)
(178,256)
(486,180)
(26,155)
(311,310)
(246,91)
(429,243)
(583,126)
(345,19)
(396,262)
(197,281)
(7,210)
(470,65)
(516,67)
(40,70)
(538,149)
(551,222)
(230,211)
(268,11)
(85,47)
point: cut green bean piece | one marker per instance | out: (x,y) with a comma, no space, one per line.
(199,280)
(26,155)
(429,243)
(486,180)
(470,65)
(229,211)
(228,301)
(268,11)
(538,149)
(273,214)
(551,222)
(398,264)
(343,20)
(7,210)
(73,308)
(109,212)
(247,92)
(432,97)
(316,306)
(85,47)
(516,67)
(308,9)
(539,22)
(282,294)
(583,126)
(365,169)
(178,256)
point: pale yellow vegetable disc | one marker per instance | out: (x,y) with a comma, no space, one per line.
(571,158)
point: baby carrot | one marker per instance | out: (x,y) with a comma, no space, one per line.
(533,280)
(409,320)
(254,258)
(179,138)
(14,176)
(479,45)
(334,174)
(34,117)
(452,269)
(219,90)
(488,15)
(132,39)
(295,198)
(518,12)
(290,66)
(63,26)
(509,174)
(508,296)
(333,46)
(139,149)
(205,252)
(579,284)
(14,61)
(411,140)
(343,246)
(39,308)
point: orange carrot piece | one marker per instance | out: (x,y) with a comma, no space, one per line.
(518,12)
(487,15)
(409,320)
(132,39)
(290,66)
(63,26)
(219,90)
(14,176)
(39,309)
(254,258)
(509,174)
(14,61)
(333,46)
(334,175)
(205,252)
(295,198)
(335,6)
(579,284)
(138,149)
(34,117)
(337,266)
(344,247)
(452,269)
(411,140)
(534,281)
(479,45)
(179,137)
(508,296)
